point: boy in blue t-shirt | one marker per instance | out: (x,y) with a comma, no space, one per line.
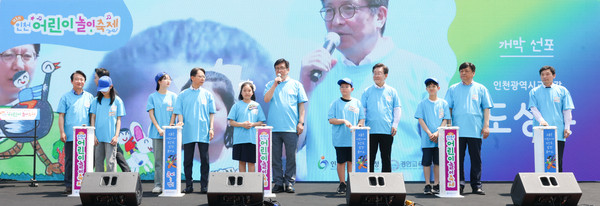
(344,113)
(432,113)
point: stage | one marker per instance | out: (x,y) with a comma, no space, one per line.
(498,193)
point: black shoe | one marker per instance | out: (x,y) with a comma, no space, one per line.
(342,188)
(479,191)
(203,190)
(436,189)
(290,189)
(427,190)
(277,189)
(188,190)
(462,189)
(67,191)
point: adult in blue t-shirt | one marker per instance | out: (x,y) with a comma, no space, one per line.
(73,110)
(470,105)
(286,98)
(551,105)
(195,110)
(383,110)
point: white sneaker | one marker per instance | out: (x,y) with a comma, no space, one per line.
(157,190)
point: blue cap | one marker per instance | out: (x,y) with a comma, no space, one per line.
(345,81)
(431,79)
(104,84)
(159,75)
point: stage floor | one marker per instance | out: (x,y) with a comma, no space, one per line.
(49,193)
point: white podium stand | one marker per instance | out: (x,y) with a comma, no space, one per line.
(264,163)
(449,166)
(545,149)
(171,162)
(83,156)
(360,149)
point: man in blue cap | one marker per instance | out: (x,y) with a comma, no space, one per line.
(344,113)
(432,112)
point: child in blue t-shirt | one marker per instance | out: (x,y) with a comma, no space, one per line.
(160,108)
(244,116)
(344,113)
(432,112)
(106,117)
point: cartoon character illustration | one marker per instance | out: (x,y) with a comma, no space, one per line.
(551,162)
(139,147)
(362,162)
(124,136)
(172,162)
(59,154)
(23,131)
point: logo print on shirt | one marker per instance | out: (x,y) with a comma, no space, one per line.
(353,109)
(113,110)
(291,91)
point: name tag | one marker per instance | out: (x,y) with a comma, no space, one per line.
(169,109)
(353,109)
(113,111)
(291,92)
(474,97)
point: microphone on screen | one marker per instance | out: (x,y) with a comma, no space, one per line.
(332,40)
(278,75)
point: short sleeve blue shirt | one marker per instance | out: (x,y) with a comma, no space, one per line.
(467,103)
(352,111)
(195,105)
(76,109)
(162,104)
(433,113)
(551,102)
(283,107)
(379,104)
(106,117)
(242,112)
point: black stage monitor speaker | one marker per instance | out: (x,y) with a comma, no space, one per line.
(545,189)
(376,189)
(111,188)
(235,188)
